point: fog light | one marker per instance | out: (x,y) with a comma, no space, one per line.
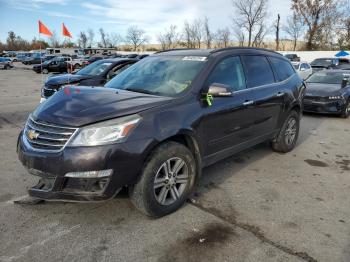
(90,174)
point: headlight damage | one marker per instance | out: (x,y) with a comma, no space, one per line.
(107,132)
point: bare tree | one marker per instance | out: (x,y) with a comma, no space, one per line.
(104,38)
(238,32)
(250,16)
(188,38)
(90,36)
(115,39)
(82,40)
(294,29)
(277,27)
(208,35)
(223,37)
(259,35)
(197,32)
(169,39)
(135,37)
(316,15)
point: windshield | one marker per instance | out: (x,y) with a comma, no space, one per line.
(322,62)
(327,77)
(94,69)
(159,75)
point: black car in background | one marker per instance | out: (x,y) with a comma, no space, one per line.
(155,125)
(292,57)
(328,92)
(95,74)
(92,59)
(329,63)
(34,60)
(57,64)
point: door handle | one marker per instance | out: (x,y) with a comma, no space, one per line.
(247,103)
(279,94)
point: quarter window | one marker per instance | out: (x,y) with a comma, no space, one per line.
(229,72)
(258,71)
(283,68)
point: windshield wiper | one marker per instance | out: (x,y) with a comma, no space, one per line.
(139,90)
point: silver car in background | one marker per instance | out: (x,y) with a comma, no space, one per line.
(5,63)
(304,69)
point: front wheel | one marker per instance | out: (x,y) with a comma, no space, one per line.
(288,135)
(346,111)
(166,181)
(45,71)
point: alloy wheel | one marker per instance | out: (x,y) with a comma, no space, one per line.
(170,181)
(291,131)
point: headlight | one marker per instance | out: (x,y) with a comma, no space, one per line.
(335,97)
(107,132)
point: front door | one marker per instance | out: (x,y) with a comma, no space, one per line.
(227,122)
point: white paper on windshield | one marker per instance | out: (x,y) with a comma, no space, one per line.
(194,58)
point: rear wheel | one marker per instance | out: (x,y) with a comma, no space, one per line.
(346,111)
(45,71)
(77,66)
(166,181)
(288,135)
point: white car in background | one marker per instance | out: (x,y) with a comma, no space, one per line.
(304,69)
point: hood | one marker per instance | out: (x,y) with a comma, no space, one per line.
(319,89)
(65,79)
(79,106)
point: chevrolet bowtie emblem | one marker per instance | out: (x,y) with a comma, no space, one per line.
(32,134)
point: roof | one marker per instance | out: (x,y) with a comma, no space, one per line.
(118,60)
(208,52)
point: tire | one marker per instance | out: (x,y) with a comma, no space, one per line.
(6,67)
(45,71)
(168,195)
(288,134)
(77,66)
(346,112)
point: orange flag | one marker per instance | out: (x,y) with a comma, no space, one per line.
(43,29)
(65,31)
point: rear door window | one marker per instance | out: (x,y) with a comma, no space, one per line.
(228,71)
(258,71)
(283,68)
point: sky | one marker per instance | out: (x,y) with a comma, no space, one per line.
(21,16)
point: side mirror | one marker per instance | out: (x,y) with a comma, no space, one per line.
(219,90)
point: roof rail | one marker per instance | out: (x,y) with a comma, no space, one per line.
(243,47)
(176,49)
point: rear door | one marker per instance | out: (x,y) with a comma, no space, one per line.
(265,95)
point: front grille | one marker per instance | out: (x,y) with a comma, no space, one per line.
(45,136)
(316,98)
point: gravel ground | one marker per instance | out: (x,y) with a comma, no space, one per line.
(255,206)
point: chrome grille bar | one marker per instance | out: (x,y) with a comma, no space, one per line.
(45,136)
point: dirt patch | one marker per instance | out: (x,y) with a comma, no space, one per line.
(201,245)
(317,163)
(344,164)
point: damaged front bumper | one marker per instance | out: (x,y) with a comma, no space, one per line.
(66,175)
